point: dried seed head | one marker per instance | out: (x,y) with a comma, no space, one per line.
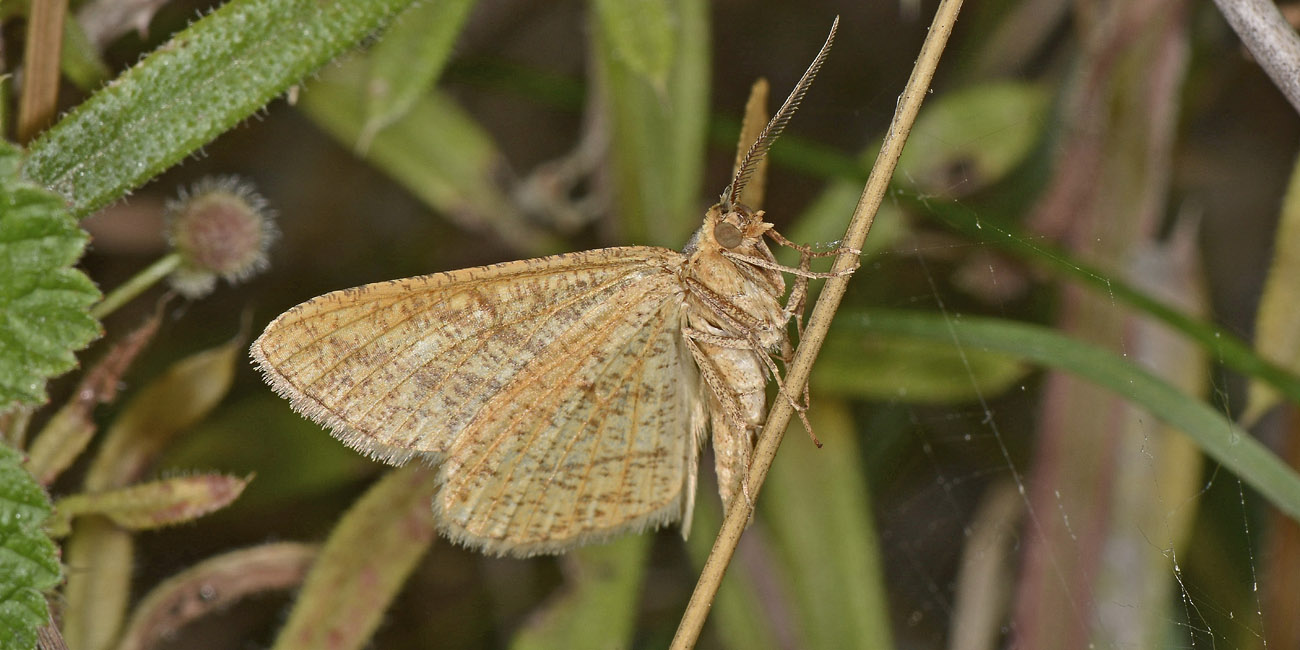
(222,228)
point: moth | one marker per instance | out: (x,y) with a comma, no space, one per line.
(565,399)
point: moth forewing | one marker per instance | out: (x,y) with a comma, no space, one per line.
(556,393)
(585,445)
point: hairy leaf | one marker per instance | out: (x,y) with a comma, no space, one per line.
(44,302)
(29,563)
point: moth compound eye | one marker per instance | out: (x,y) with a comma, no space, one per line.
(727,234)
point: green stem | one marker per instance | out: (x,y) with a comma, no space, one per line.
(136,285)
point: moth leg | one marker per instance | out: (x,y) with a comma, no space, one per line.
(795,304)
(734,319)
(796,301)
(795,271)
(751,343)
(800,409)
(733,431)
(710,372)
(806,254)
(807,250)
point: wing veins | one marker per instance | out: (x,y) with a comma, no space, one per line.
(469,354)
(639,369)
(544,398)
(562,336)
(606,332)
(464,284)
(599,408)
(592,336)
(398,323)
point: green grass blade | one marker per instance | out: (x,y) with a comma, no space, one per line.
(1222,345)
(598,608)
(408,60)
(366,560)
(738,618)
(971,138)
(658,135)
(641,36)
(1217,436)
(818,499)
(916,371)
(436,150)
(1276,335)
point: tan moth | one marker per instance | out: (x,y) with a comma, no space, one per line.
(565,399)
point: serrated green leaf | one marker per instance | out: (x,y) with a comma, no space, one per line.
(197,85)
(408,59)
(657,136)
(29,563)
(44,302)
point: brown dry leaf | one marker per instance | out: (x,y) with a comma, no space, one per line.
(151,505)
(68,432)
(170,404)
(211,586)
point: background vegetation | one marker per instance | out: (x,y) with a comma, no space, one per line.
(1050,403)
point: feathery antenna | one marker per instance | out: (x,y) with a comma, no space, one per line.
(774,128)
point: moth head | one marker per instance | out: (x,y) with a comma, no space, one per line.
(732,227)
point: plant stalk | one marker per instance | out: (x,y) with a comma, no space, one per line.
(909,104)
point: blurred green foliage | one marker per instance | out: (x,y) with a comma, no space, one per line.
(465,135)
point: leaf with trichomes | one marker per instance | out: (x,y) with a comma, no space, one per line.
(29,562)
(154,504)
(44,302)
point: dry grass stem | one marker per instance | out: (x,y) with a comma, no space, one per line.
(909,105)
